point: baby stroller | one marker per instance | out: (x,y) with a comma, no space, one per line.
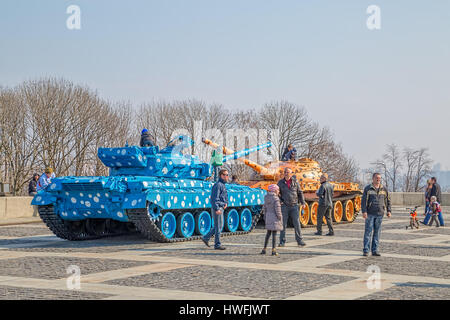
(413,220)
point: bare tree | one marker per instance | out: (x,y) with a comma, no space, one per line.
(17,141)
(392,158)
(423,168)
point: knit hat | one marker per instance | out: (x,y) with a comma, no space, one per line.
(273,188)
(48,170)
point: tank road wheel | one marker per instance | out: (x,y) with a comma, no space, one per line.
(185,225)
(202,223)
(357,203)
(245,222)
(303,215)
(231,220)
(349,210)
(168,225)
(338,211)
(313,213)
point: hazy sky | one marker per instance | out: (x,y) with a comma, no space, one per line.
(371,88)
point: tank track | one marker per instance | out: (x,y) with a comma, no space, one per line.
(63,230)
(150,230)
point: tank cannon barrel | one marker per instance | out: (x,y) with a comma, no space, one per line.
(245,152)
(255,166)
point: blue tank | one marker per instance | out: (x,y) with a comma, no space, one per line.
(163,194)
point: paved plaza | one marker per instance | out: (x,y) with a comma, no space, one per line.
(415,264)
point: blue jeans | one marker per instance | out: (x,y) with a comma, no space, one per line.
(218,225)
(373,223)
(428,217)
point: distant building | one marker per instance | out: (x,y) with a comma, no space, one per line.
(442,176)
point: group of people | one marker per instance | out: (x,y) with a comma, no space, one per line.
(433,196)
(283,200)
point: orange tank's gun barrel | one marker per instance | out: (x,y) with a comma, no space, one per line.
(257,167)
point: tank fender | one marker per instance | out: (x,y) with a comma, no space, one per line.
(43,198)
(134,201)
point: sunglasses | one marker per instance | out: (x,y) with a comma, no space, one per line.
(225,174)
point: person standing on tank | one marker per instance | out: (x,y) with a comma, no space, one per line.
(45,179)
(146,139)
(219,202)
(291,196)
(375,202)
(325,194)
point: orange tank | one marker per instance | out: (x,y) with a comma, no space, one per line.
(346,196)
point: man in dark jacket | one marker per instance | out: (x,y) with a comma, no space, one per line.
(219,202)
(325,194)
(32,191)
(146,139)
(436,190)
(33,185)
(375,202)
(291,196)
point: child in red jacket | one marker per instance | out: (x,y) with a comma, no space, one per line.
(435,209)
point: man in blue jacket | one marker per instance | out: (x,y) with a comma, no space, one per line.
(375,202)
(219,202)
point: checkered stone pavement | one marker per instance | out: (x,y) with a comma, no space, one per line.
(414,264)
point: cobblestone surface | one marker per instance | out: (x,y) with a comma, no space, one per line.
(412,291)
(23,231)
(417,267)
(435,230)
(262,284)
(56,267)
(120,243)
(239,253)
(386,225)
(19,241)
(257,238)
(400,248)
(359,234)
(16,293)
(212,277)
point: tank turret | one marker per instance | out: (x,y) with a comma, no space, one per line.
(150,161)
